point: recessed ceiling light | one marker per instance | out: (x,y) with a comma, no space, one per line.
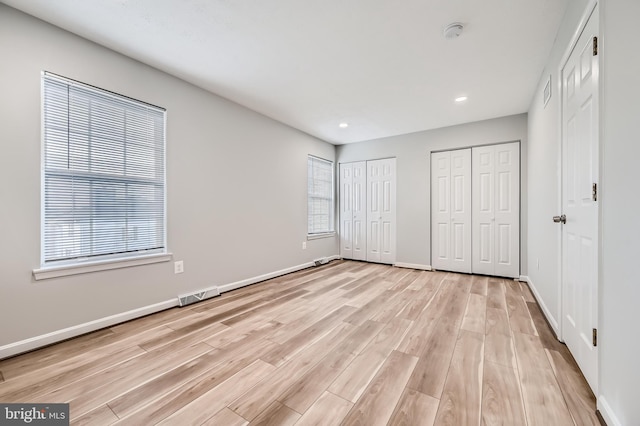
(343,125)
(461,99)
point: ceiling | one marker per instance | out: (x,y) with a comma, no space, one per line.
(382,66)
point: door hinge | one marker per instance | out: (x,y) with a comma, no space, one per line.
(594,192)
(595,46)
(595,337)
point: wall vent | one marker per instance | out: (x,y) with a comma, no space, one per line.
(189,299)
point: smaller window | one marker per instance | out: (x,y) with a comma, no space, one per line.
(319,196)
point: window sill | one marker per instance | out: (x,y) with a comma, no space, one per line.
(100,265)
(319,236)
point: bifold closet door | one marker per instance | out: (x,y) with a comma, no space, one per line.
(381,211)
(496,210)
(451,210)
(353,214)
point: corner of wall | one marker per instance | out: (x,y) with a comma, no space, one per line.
(553,321)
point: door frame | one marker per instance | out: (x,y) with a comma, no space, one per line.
(588,12)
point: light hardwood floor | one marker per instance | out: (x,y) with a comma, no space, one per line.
(344,343)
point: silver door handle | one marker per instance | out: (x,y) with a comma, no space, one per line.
(560,219)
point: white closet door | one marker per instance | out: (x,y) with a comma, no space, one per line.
(507,210)
(381,211)
(353,211)
(461,210)
(496,210)
(359,210)
(451,210)
(346,211)
(483,213)
(440,210)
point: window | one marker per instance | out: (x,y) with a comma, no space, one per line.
(103,174)
(320,196)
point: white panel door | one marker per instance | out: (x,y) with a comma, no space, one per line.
(353,210)
(441,210)
(483,210)
(507,210)
(381,211)
(359,211)
(580,146)
(451,210)
(496,210)
(346,210)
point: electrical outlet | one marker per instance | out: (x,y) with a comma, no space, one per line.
(178,267)
(304,245)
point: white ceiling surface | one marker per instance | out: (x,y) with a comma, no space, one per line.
(382,66)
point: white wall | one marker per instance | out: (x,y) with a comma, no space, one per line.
(620,285)
(236,186)
(544,173)
(413,176)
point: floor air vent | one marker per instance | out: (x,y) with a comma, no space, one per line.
(189,299)
(321,261)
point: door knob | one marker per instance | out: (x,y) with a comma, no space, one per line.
(560,219)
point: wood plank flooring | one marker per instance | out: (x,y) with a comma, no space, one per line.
(344,343)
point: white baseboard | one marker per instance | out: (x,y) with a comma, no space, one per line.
(607,413)
(413,266)
(550,318)
(253,280)
(76,330)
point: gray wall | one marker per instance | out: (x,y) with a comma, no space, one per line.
(236,186)
(620,286)
(544,172)
(413,176)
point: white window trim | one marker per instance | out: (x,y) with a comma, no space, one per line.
(64,270)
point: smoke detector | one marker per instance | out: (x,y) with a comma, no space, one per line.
(453,30)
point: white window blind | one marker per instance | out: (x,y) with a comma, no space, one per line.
(320,195)
(103,173)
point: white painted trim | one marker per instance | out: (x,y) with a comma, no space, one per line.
(76,330)
(413,266)
(607,413)
(87,327)
(586,14)
(524,278)
(552,321)
(100,265)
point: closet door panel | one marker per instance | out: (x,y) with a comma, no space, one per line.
(507,166)
(461,210)
(346,211)
(388,235)
(381,210)
(359,191)
(451,210)
(483,247)
(440,210)
(496,210)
